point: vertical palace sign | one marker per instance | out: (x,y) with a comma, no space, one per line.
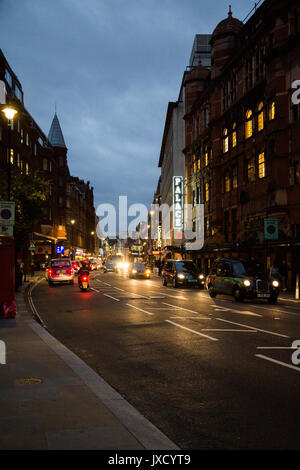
(178,202)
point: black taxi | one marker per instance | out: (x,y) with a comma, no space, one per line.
(244,279)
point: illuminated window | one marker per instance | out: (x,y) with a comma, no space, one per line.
(225,141)
(260,118)
(27,139)
(206,191)
(18,160)
(26,168)
(11,157)
(251,170)
(227,182)
(234,139)
(205,156)
(248,124)
(261,165)
(22,136)
(272,111)
(45,164)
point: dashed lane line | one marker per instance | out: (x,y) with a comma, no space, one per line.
(275,361)
(192,331)
(111,297)
(137,308)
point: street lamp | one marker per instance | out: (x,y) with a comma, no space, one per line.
(9,113)
(72,221)
(94,247)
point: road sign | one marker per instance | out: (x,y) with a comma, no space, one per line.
(32,247)
(60,249)
(271,229)
(7,213)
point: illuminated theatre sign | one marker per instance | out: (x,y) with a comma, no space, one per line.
(178,202)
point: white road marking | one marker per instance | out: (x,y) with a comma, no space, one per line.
(235,330)
(92,288)
(192,331)
(192,318)
(118,288)
(276,347)
(253,328)
(278,362)
(137,308)
(111,297)
(240,312)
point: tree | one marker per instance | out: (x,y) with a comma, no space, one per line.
(29,192)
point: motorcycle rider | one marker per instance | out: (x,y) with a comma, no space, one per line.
(83,271)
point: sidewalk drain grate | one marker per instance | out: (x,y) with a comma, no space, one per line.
(29,381)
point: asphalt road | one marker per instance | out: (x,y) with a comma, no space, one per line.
(210,373)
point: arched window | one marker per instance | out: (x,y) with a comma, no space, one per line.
(260,117)
(248,124)
(225,141)
(234,135)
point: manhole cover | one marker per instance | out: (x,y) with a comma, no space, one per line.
(29,381)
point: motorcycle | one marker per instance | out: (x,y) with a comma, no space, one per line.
(83,282)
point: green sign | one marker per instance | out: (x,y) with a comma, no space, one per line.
(271,229)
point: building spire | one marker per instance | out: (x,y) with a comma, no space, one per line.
(230,12)
(55,135)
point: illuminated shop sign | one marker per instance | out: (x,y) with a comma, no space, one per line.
(178,202)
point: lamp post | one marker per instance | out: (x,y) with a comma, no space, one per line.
(94,247)
(9,113)
(72,224)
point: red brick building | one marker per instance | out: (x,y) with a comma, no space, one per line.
(69,198)
(243,138)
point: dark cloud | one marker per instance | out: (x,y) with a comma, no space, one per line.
(111,66)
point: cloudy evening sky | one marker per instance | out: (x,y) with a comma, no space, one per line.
(111,67)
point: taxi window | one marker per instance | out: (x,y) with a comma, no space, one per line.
(61,264)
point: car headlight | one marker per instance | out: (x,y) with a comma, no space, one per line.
(134,271)
(201,276)
(180,276)
(147,271)
(247,283)
(275,283)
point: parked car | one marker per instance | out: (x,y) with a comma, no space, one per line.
(139,270)
(60,270)
(179,272)
(244,279)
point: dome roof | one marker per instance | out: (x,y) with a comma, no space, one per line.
(229,25)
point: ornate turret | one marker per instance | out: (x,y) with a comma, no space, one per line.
(223,42)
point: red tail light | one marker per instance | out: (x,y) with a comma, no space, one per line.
(84,278)
(49,272)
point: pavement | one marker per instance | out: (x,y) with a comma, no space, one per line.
(50,398)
